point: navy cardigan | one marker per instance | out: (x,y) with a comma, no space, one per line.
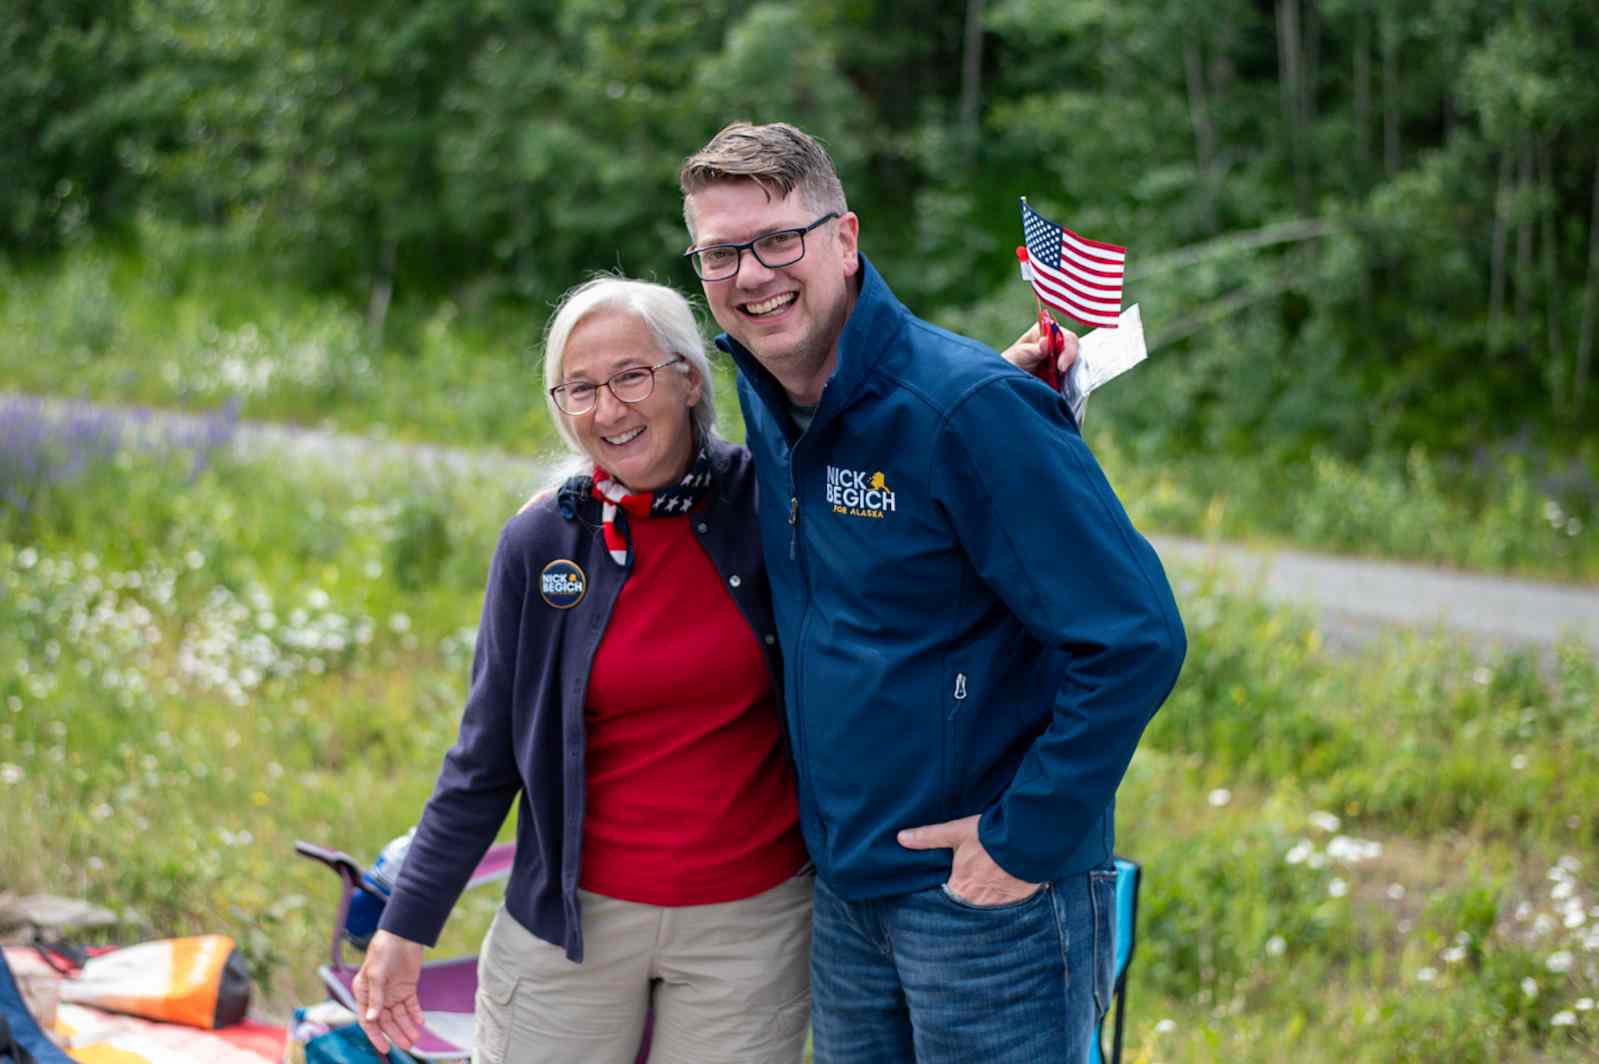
(551,588)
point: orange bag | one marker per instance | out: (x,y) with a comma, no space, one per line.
(199,982)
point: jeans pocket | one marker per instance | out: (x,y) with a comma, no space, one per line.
(1004,907)
(1102,896)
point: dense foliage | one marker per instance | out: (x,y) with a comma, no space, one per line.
(1355,224)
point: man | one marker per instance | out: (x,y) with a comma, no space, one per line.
(974,634)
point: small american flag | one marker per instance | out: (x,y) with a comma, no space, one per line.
(1079,277)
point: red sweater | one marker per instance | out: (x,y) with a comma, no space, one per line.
(691,793)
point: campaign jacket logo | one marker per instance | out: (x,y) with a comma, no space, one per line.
(857,493)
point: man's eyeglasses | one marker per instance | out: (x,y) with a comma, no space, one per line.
(720,262)
(630,386)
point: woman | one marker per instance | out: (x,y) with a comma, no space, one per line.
(623,695)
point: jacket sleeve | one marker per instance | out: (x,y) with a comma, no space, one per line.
(1045,532)
(479,779)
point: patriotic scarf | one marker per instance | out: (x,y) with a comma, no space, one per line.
(679,498)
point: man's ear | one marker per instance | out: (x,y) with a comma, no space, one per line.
(849,233)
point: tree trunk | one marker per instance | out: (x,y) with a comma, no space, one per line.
(377,304)
(1363,91)
(1204,131)
(971,78)
(1289,75)
(1388,30)
(1524,246)
(1553,305)
(1496,275)
(1590,303)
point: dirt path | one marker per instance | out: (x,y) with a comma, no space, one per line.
(1354,598)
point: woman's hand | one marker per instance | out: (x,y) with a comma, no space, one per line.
(385,992)
(1027,353)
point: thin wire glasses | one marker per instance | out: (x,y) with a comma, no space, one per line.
(629,386)
(720,262)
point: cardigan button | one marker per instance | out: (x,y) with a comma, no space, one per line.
(703,527)
(771,640)
(734,580)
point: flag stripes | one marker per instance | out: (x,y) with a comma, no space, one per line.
(1079,277)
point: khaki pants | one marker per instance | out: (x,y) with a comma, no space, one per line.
(726,982)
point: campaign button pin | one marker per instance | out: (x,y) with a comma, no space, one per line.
(563,584)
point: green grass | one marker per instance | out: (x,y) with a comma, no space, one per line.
(1347,859)
(191,319)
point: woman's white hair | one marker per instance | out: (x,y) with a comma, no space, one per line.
(663,310)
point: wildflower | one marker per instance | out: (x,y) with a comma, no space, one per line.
(1482,676)
(1563,1018)
(1426,975)
(1569,864)
(1166,1026)
(1575,917)
(1584,1004)
(101,811)
(1353,851)
(1559,961)
(1276,946)
(1542,925)
(1454,954)
(318,599)
(373,569)
(10,774)
(1529,988)
(1325,821)
(1218,797)
(1301,851)
(1337,887)
(194,559)
(1518,762)
(1396,892)
(401,623)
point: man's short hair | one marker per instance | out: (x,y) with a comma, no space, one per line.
(777,156)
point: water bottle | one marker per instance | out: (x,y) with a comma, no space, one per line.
(377,883)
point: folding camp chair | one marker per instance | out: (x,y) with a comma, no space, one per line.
(447,989)
(1128,874)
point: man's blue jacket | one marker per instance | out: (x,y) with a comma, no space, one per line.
(969,621)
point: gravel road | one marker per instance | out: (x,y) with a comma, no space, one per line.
(1354,599)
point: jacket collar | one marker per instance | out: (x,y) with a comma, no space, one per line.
(872,325)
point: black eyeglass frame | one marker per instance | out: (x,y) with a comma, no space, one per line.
(560,391)
(693,254)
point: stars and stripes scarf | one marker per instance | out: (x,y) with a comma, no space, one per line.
(679,498)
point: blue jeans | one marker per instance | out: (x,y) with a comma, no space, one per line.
(927,977)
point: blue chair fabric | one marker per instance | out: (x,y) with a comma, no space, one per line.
(1128,876)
